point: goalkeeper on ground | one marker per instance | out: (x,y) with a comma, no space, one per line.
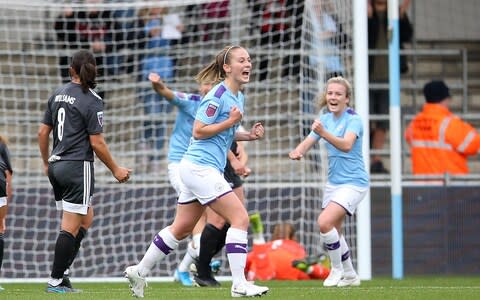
(283,258)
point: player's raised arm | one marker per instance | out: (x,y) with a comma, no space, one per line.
(160,87)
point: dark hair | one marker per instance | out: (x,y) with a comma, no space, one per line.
(215,68)
(84,65)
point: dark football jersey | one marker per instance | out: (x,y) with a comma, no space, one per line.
(74,116)
(5,163)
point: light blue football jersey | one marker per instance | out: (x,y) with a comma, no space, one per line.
(215,108)
(344,167)
(182,131)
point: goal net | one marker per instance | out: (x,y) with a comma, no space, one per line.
(295,46)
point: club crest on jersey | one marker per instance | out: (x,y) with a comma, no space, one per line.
(211,109)
(100,118)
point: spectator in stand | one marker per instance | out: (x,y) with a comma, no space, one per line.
(157,61)
(440,142)
(127,38)
(67,37)
(281,23)
(324,38)
(162,28)
(172,27)
(217,28)
(294,38)
(207,22)
(328,65)
(192,14)
(378,68)
(282,258)
(6,173)
(133,25)
(172,30)
(92,29)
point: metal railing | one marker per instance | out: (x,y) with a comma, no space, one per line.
(411,80)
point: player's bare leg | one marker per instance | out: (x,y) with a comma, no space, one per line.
(163,243)
(233,210)
(182,272)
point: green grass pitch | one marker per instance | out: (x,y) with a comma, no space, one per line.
(424,288)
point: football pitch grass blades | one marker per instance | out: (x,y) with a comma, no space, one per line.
(418,287)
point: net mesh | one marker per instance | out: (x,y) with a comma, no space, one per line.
(294,45)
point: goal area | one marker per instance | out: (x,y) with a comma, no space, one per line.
(294,48)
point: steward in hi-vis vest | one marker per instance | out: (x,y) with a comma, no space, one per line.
(440,141)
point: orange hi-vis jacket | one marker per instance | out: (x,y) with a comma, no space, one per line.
(440,141)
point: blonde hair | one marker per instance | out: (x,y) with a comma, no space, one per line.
(322,98)
(207,78)
(283,231)
(215,70)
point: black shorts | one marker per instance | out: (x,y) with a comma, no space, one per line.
(379,104)
(3,190)
(233,179)
(3,185)
(73,184)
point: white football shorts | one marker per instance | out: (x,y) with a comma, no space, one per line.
(3,201)
(346,195)
(203,183)
(174,176)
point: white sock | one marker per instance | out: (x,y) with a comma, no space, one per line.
(196,244)
(54,281)
(332,243)
(236,248)
(163,243)
(187,260)
(348,269)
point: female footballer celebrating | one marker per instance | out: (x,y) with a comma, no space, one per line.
(347,182)
(201,169)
